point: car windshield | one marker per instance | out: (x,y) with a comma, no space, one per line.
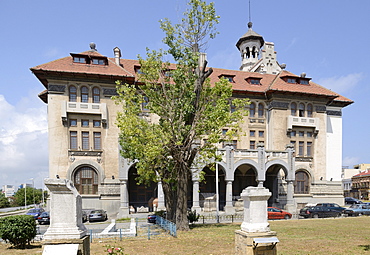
(354,206)
(32,211)
(92,212)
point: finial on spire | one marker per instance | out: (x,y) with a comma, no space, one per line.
(250,25)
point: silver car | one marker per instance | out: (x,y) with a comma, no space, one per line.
(98,215)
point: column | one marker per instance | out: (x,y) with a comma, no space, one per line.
(124,209)
(229,208)
(161,204)
(290,206)
(196,206)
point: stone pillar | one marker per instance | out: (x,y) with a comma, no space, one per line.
(65,211)
(66,229)
(161,202)
(255,236)
(261,164)
(196,206)
(290,206)
(229,208)
(124,209)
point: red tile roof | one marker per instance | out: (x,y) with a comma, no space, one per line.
(362,174)
(269,83)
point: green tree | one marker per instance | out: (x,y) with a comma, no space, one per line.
(32,195)
(4,202)
(189,109)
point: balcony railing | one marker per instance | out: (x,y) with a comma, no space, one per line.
(87,108)
(303,122)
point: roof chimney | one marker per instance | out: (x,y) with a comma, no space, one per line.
(117,55)
(303,75)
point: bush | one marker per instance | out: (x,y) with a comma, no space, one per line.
(193,216)
(18,230)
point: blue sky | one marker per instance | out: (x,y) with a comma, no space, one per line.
(326,39)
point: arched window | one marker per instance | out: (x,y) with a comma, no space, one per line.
(72,94)
(84,94)
(309,110)
(301,183)
(252,110)
(96,95)
(86,180)
(293,109)
(261,110)
(301,109)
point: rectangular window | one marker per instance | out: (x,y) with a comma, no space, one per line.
(96,123)
(255,81)
(309,134)
(301,133)
(300,149)
(293,133)
(261,133)
(309,149)
(73,140)
(252,133)
(97,141)
(291,80)
(252,145)
(73,123)
(304,82)
(79,60)
(224,131)
(84,123)
(85,140)
(234,144)
(96,61)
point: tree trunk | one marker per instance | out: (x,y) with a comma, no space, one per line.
(170,196)
(182,194)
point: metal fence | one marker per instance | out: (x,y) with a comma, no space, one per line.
(212,218)
(167,226)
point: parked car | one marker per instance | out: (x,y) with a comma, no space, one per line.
(276,213)
(351,200)
(35,212)
(357,210)
(98,215)
(319,212)
(44,218)
(332,206)
(152,218)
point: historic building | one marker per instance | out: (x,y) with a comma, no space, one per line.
(292,142)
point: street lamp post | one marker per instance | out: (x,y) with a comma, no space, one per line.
(25,195)
(33,192)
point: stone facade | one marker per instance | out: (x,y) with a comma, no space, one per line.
(291,141)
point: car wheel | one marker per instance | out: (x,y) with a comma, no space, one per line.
(315,216)
(286,217)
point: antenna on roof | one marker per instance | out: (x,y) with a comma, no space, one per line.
(250,17)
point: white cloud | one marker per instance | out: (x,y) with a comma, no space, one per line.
(23,142)
(341,84)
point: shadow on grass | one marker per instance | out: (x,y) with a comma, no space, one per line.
(28,247)
(365,247)
(204,226)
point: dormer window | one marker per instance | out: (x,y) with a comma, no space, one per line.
(254,80)
(98,61)
(230,78)
(138,70)
(79,60)
(303,81)
(291,80)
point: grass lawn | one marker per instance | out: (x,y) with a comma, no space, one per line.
(305,236)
